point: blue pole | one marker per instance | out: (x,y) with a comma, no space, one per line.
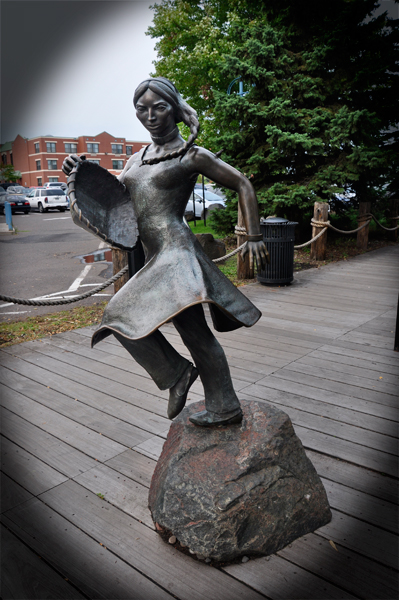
(241,88)
(8,212)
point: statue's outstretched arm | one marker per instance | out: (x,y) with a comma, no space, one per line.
(204,162)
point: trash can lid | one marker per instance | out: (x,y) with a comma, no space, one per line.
(274,220)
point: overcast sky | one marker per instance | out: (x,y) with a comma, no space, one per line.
(70,67)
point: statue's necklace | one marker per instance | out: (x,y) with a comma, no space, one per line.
(160,141)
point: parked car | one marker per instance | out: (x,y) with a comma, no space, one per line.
(5,186)
(212,202)
(18,203)
(48,198)
(56,184)
(17,189)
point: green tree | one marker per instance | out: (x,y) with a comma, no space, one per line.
(319,114)
(8,174)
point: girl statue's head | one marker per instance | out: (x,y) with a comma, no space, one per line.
(182,112)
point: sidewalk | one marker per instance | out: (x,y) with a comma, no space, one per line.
(83,428)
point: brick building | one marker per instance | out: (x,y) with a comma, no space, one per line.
(40,159)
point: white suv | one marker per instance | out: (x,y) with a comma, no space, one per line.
(55,184)
(45,198)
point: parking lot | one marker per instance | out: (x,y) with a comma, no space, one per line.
(45,258)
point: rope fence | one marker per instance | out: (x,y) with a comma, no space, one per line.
(241,231)
(95,290)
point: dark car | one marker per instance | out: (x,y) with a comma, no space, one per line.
(18,203)
(17,189)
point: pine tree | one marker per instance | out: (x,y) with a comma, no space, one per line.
(319,111)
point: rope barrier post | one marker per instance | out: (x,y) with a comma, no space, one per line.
(119,260)
(243,269)
(394,210)
(363,234)
(318,248)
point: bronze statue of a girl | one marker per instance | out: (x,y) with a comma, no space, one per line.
(178,277)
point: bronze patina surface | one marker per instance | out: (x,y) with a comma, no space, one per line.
(177,277)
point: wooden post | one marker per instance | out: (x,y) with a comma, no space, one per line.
(119,260)
(394,210)
(243,269)
(363,234)
(318,248)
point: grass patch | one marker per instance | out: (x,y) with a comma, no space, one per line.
(34,328)
(200,228)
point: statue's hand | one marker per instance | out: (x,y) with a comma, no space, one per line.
(70,162)
(258,251)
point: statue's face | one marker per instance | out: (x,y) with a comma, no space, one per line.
(155,114)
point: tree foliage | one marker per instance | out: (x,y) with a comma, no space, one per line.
(319,114)
(8,174)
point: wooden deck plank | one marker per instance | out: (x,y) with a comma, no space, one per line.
(82,372)
(317,353)
(385,424)
(328,389)
(323,371)
(26,575)
(83,439)
(27,470)
(141,418)
(362,356)
(119,532)
(346,569)
(358,504)
(91,567)
(51,450)
(124,493)
(94,419)
(321,359)
(361,537)
(358,478)
(280,579)
(12,494)
(138,467)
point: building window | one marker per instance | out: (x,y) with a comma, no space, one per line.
(117,148)
(129,150)
(11,158)
(71,148)
(37,147)
(52,165)
(4,159)
(93,160)
(53,179)
(117,164)
(92,148)
(38,165)
(50,147)
(39,181)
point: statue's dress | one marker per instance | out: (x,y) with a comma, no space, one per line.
(177,273)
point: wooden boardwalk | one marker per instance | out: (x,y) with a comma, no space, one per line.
(79,424)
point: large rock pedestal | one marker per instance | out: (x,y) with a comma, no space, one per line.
(242,489)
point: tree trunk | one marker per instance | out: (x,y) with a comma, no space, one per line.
(363,234)
(318,248)
(243,269)
(119,259)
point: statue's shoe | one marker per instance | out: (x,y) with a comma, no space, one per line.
(208,419)
(178,393)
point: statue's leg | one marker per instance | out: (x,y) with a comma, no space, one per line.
(161,361)
(211,362)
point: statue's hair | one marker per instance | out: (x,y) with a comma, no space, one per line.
(183,113)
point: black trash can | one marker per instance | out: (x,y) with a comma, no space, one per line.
(279,237)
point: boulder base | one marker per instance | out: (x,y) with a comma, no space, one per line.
(244,489)
(212,248)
